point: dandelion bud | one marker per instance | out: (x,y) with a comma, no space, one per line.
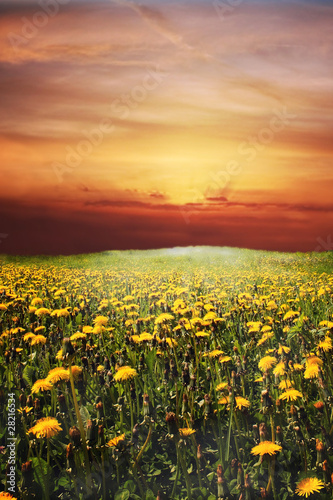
(319,405)
(101,437)
(171,421)
(107,365)
(75,436)
(234,468)
(146,405)
(326,471)
(27,475)
(240,476)
(248,487)
(29,400)
(186,376)
(70,458)
(263,433)
(299,434)
(37,408)
(62,403)
(279,434)
(199,452)
(293,411)
(185,404)
(91,432)
(67,348)
(208,406)
(100,410)
(222,489)
(23,400)
(84,361)
(263,492)
(320,449)
(193,382)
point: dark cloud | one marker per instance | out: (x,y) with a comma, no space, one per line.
(55,230)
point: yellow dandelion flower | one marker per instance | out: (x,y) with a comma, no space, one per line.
(266,448)
(266,363)
(264,338)
(225,359)
(59,355)
(38,339)
(298,367)
(214,353)
(57,374)
(222,386)
(280,369)
(6,496)
(201,334)
(125,373)
(101,320)
(76,371)
(114,441)
(186,432)
(25,410)
(223,401)
(210,316)
(283,349)
(163,318)
(311,371)
(60,313)
(325,345)
(28,336)
(42,311)
(78,336)
(285,384)
(37,301)
(242,402)
(309,485)
(41,385)
(171,342)
(290,314)
(291,395)
(143,337)
(46,428)
(266,328)
(87,329)
(3,307)
(313,360)
(40,329)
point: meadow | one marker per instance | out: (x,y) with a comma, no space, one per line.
(200,373)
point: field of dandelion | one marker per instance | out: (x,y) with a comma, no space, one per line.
(200,373)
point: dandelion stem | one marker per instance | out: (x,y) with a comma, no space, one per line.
(83,438)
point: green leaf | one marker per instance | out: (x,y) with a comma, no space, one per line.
(28,375)
(85,415)
(150,495)
(210,476)
(78,319)
(130,486)
(122,495)
(42,472)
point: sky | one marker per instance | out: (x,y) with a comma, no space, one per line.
(133,125)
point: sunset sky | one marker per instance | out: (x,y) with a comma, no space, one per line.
(144,125)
